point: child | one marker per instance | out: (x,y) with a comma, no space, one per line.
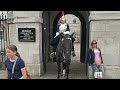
(19,69)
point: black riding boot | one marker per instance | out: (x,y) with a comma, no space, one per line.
(54,54)
(73,51)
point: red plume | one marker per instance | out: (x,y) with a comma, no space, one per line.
(63,16)
(62,13)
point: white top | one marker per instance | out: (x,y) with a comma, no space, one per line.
(97,56)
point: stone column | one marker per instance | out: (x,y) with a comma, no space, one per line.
(31,52)
(105,28)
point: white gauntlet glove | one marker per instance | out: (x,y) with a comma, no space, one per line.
(56,34)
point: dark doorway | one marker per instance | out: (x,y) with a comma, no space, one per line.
(45,38)
(50,20)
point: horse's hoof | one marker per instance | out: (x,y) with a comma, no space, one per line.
(58,77)
(63,75)
(67,78)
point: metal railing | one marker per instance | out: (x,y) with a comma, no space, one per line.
(3,38)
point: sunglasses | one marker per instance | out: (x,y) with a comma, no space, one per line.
(94,43)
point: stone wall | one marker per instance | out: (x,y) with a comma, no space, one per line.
(105,28)
(107,33)
(31,52)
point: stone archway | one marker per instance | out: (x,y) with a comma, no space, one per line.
(50,20)
(83,16)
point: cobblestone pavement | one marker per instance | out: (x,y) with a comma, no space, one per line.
(77,69)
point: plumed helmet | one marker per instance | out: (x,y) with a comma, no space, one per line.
(63,16)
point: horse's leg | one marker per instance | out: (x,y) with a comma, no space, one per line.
(67,72)
(59,69)
(67,69)
(64,68)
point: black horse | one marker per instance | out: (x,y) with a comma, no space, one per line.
(63,54)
